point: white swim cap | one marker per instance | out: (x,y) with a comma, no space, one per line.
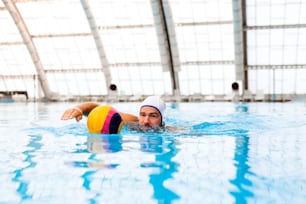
(157,103)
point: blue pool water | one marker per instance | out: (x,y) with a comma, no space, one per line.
(228,153)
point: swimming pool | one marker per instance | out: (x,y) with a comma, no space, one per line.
(229,153)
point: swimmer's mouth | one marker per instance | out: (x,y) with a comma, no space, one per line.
(148,128)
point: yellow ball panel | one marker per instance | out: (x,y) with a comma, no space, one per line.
(96,119)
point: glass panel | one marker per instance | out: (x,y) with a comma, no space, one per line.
(209,79)
(275,12)
(8,30)
(142,80)
(278,81)
(259,80)
(300,87)
(204,33)
(186,11)
(118,13)
(278,46)
(16,60)
(54,17)
(205,43)
(68,53)
(131,45)
(84,84)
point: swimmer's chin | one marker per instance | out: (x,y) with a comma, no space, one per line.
(146,128)
(151,128)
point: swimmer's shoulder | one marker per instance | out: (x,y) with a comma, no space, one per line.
(128,118)
(175,129)
(134,126)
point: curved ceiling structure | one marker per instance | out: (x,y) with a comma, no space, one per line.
(73,49)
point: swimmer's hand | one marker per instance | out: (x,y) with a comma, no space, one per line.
(78,111)
(75,112)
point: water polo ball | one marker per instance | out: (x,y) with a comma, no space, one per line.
(104,120)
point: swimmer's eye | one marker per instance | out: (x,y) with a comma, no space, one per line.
(151,115)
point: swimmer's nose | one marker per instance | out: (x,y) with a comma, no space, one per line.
(146,120)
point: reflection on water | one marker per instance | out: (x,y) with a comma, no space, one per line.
(241,156)
(165,150)
(241,180)
(23,187)
(162,147)
(104,143)
(99,144)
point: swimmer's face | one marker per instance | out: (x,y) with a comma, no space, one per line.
(149,117)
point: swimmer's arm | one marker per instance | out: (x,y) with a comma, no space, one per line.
(128,118)
(78,111)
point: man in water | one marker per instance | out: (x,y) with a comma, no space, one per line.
(151,114)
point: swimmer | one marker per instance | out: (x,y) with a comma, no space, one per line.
(151,114)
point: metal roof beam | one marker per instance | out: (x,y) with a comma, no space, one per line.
(28,41)
(240,40)
(98,41)
(270,27)
(166,37)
